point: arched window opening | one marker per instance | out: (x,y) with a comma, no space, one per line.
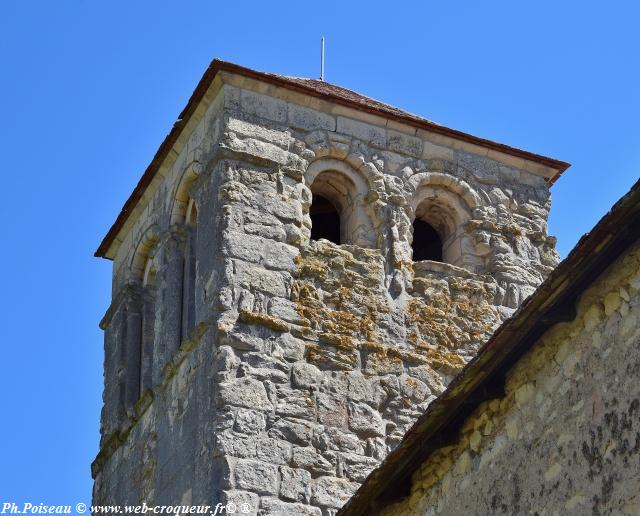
(434,231)
(427,244)
(325,219)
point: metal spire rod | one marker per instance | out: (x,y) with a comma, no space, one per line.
(322,58)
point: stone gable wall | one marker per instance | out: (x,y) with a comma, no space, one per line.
(308,361)
(565,439)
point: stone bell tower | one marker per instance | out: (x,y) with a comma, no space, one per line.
(297,275)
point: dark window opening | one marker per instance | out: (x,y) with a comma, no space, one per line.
(325,220)
(427,244)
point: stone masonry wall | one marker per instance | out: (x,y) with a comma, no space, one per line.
(307,360)
(566,437)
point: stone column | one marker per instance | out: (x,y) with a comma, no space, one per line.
(168,324)
(148,337)
(112,411)
(132,340)
(189,275)
(122,326)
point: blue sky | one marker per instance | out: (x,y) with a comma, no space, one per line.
(89,89)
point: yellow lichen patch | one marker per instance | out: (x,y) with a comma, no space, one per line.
(450,316)
(332,357)
(311,266)
(447,362)
(340,341)
(263,319)
(339,293)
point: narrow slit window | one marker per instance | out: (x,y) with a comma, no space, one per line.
(427,244)
(325,220)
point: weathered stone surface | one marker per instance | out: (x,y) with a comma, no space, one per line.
(307,458)
(332,492)
(288,347)
(305,361)
(256,476)
(273,451)
(357,467)
(280,508)
(305,375)
(295,403)
(365,421)
(336,439)
(295,484)
(250,422)
(245,502)
(332,411)
(296,431)
(244,392)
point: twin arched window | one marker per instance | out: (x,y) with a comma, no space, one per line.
(337,215)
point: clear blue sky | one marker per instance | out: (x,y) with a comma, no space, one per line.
(90,88)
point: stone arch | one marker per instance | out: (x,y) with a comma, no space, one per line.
(458,186)
(322,165)
(346,189)
(446,204)
(144,253)
(182,199)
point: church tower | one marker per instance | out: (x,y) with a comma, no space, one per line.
(299,272)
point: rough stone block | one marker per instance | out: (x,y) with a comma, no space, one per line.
(412,388)
(295,484)
(263,106)
(278,507)
(336,439)
(260,131)
(230,445)
(285,310)
(245,502)
(288,347)
(331,411)
(244,392)
(357,467)
(365,421)
(250,422)
(332,492)
(273,451)
(307,458)
(310,119)
(295,431)
(380,364)
(404,143)
(305,375)
(326,356)
(372,134)
(258,278)
(256,476)
(295,403)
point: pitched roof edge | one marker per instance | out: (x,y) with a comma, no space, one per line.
(483,377)
(365,104)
